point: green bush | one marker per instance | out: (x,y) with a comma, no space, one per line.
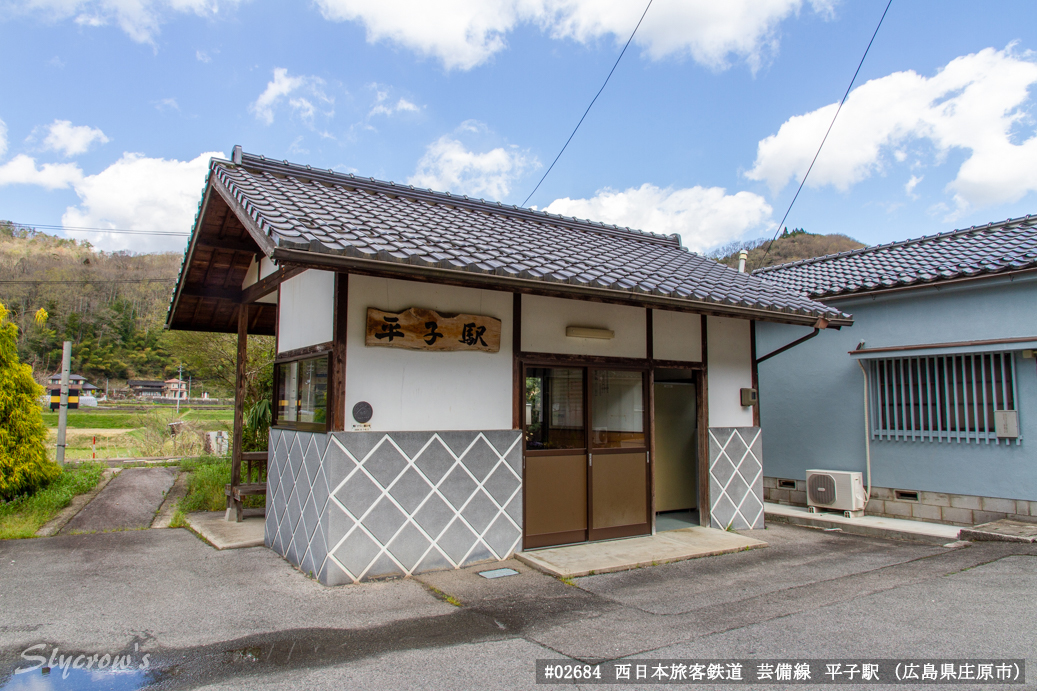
(24,466)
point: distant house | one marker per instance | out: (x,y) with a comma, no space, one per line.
(76,381)
(145,388)
(174,388)
(941,352)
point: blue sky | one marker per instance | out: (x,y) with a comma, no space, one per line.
(111,108)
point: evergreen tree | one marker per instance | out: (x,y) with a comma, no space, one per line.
(24,465)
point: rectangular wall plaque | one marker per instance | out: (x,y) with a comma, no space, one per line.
(423,329)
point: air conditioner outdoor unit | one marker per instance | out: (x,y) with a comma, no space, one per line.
(835,490)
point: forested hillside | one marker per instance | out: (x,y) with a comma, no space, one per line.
(111,305)
(790,246)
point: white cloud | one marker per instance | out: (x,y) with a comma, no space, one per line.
(140,19)
(401,106)
(22,170)
(702,216)
(71,140)
(165,104)
(463,34)
(202,56)
(448,165)
(140,193)
(977,103)
(909,188)
(307,90)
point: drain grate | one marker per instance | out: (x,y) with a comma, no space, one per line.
(498,573)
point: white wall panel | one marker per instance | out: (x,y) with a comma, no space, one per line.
(544,320)
(729,369)
(416,390)
(677,336)
(306,311)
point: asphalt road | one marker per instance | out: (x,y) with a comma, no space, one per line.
(247,619)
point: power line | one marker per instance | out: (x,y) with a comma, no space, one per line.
(99,230)
(845,95)
(591,104)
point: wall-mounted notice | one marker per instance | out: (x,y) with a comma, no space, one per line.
(423,329)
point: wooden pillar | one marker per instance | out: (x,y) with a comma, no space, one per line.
(337,385)
(518,405)
(239,411)
(650,355)
(703,395)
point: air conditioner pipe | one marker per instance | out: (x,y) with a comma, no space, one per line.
(867,434)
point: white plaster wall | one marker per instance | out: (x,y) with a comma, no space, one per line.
(257,270)
(306,310)
(676,336)
(544,320)
(729,368)
(417,391)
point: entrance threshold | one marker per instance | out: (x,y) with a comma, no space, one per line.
(587,558)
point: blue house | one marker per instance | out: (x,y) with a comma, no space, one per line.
(936,379)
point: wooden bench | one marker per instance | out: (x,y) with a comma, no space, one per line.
(236,492)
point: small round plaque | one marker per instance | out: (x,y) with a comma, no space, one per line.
(362,412)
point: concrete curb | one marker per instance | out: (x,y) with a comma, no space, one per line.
(177,492)
(856,529)
(224,534)
(79,502)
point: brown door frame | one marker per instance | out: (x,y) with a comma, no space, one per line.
(588,365)
(699,368)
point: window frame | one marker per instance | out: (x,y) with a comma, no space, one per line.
(943,397)
(275,421)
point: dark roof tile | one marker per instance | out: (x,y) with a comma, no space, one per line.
(994,248)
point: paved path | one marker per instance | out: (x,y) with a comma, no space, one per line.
(129,502)
(245,618)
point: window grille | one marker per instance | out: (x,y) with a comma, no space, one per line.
(941,398)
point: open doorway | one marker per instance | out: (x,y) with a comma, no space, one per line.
(676,450)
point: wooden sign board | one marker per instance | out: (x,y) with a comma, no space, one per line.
(422,329)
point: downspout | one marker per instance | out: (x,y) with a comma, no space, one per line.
(867,433)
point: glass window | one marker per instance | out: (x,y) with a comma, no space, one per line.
(617,409)
(302,392)
(554,409)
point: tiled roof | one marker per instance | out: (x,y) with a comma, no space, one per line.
(977,251)
(325,213)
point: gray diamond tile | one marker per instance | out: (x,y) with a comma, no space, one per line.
(502,440)
(409,546)
(433,561)
(457,540)
(480,459)
(502,537)
(479,512)
(722,469)
(410,442)
(385,463)
(357,552)
(410,490)
(434,515)
(358,494)
(458,441)
(435,461)
(359,443)
(501,484)
(311,458)
(723,513)
(337,465)
(514,509)
(384,520)
(457,487)
(383,567)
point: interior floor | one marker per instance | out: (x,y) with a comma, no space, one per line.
(676,520)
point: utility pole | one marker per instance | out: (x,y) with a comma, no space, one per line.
(66,365)
(179,383)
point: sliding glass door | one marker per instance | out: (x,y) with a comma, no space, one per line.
(586,454)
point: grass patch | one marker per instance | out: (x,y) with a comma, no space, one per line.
(449,599)
(101,419)
(205,486)
(22,517)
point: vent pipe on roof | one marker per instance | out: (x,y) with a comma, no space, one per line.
(742,256)
(236,156)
